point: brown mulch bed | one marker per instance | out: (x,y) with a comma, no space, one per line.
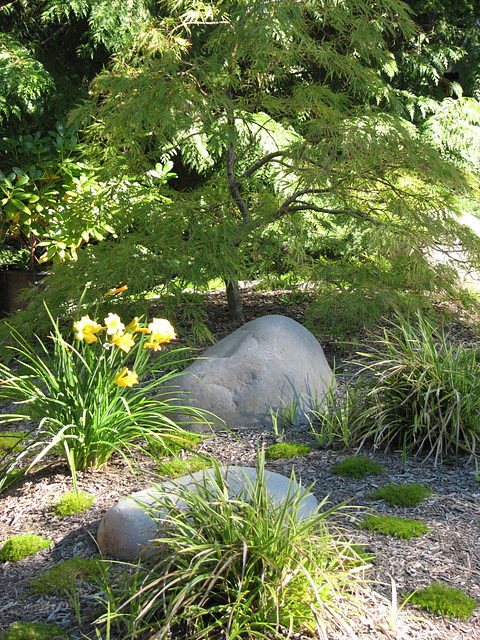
(449,553)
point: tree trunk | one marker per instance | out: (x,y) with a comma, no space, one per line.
(234,300)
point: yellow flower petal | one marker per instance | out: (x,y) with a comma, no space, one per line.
(156,346)
(112,292)
(133,326)
(89,338)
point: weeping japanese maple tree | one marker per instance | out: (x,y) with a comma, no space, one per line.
(279,118)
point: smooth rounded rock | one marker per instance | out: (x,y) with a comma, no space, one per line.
(267,364)
(126,529)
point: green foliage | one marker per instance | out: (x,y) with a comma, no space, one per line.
(424,391)
(375,275)
(287,450)
(68,576)
(444,57)
(336,421)
(390,526)
(241,565)
(178,467)
(71,503)
(34,631)
(454,129)
(357,467)
(25,85)
(300,149)
(9,477)
(89,402)
(401,495)
(49,51)
(21,546)
(111,25)
(450,602)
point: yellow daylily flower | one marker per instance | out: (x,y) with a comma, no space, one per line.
(126,378)
(86,329)
(161,330)
(114,325)
(124,342)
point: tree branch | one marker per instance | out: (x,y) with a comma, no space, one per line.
(298,194)
(356,213)
(260,163)
(233,184)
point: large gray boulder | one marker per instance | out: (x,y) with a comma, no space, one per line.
(268,363)
(127,529)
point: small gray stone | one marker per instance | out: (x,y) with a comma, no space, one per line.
(270,362)
(127,529)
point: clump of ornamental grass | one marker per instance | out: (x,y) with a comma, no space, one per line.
(439,598)
(21,546)
(423,391)
(337,420)
(235,564)
(405,528)
(177,467)
(287,450)
(9,478)
(104,392)
(401,495)
(34,631)
(71,503)
(68,576)
(357,467)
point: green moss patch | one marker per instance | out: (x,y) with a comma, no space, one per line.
(34,631)
(67,576)
(176,467)
(450,602)
(401,495)
(71,503)
(356,467)
(390,526)
(19,547)
(287,450)
(9,441)
(173,446)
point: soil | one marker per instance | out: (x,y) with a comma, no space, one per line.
(449,553)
